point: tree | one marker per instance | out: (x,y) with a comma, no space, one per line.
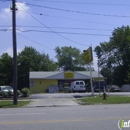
(6,69)
(47,64)
(114,55)
(70,58)
(31,60)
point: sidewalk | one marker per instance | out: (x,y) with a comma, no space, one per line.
(51,102)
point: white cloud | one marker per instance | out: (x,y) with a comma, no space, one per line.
(6,13)
(22,8)
(10,51)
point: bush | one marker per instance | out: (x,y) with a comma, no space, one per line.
(25,92)
(9,93)
(1,94)
(19,93)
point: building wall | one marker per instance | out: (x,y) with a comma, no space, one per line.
(41,85)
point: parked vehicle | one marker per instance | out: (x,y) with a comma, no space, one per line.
(77,86)
(6,91)
(115,88)
(125,88)
(97,85)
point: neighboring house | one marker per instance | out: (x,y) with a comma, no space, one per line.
(40,81)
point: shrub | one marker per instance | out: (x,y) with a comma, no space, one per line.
(10,93)
(25,92)
(19,93)
(1,94)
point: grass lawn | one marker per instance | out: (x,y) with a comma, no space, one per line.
(109,100)
(9,104)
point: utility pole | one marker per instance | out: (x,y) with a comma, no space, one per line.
(99,76)
(92,89)
(14,52)
(88,56)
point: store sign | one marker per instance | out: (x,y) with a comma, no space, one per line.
(88,55)
(68,75)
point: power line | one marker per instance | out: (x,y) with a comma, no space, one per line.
(57,32)
(3,30)
(25,31)
(51,29)
(75,19)
(63,32)
(79,12)
(41,14)
(64,28)
(5,0)
(68,2)
(35,41)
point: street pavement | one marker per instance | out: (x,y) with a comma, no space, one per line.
(61,112)
(88,117)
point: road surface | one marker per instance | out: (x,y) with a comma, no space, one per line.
(91,117)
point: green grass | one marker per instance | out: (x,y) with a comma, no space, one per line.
(9,104)
(109,100)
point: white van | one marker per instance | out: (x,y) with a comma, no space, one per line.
(77,86)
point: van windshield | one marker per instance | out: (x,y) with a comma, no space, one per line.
(77,83)
(81,82)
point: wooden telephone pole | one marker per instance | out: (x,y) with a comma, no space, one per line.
(14,52)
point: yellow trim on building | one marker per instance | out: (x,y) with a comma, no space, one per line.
(41,85)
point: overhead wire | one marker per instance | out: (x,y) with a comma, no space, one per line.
(63,32)
(51,29)
(41,14)
(56,32)
(79,12)
(35,41)
(5,0)
(73,2)
(64,28)
(25,31)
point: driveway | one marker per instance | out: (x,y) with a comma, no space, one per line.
(52,102)
(61,99)
(73,95)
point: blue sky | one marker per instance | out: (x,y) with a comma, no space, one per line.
(97,28)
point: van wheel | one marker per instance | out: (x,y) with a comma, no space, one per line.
(73,91)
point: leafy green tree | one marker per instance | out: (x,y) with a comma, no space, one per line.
(70,58)
(6,69)
(31,60)
(47,64)
(114,55)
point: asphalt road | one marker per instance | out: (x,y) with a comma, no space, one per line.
(73,95)
(91,117)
